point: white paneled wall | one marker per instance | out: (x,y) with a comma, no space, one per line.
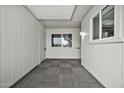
(21,47)
(0,48)
(103,60)
(63,52)
(122,65)
(6,30)
(42,44)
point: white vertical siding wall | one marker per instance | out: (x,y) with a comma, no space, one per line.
(0,48)
(106,60)
(122,65)
(122,30)
(42,44)
(21,47)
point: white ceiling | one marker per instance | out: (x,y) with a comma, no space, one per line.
(52,11)
(59,16)
(80,12)
(62,24)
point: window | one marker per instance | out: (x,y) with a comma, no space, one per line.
(103,23)
(67,40)
(108,21)
(61,40)
(96,27)
(56,40)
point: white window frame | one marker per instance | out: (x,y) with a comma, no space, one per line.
(116,37)
(61,42)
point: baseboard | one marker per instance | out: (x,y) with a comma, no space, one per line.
(94,76)
(62,59)
(43,61)
(12,86)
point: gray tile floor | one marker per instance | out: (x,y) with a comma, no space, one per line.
(59,74)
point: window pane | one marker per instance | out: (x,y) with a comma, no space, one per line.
(108,21)
(56,40)
(67,40)
(96,27)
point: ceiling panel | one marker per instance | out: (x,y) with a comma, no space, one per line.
(62,24)
(52,11)
(80,12)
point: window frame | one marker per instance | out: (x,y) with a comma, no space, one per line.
(116,37)
(61,34)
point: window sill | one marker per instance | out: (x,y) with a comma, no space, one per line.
(107,40)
